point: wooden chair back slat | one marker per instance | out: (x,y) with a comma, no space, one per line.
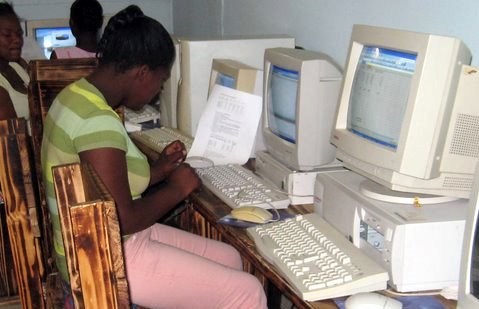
(18,186)
(92,240)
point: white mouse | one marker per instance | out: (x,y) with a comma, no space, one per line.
(371,301)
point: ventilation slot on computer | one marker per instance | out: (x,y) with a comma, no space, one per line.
(465,141)
(458,183)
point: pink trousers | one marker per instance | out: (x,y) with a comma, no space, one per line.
(171,268)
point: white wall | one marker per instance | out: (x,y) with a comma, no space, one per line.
(325,25)
(197,17)
(44,9)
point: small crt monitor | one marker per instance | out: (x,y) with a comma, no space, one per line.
(300,95)
(236,75)
(51,38)
(401,119)
(468,292)
(50,34)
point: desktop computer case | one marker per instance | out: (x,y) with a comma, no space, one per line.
(420,246)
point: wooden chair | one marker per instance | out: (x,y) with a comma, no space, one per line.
(92,238)
(25,224)
(89,226)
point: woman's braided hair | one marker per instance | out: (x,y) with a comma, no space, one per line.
(131,39)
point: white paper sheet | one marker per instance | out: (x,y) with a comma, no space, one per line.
(227,128)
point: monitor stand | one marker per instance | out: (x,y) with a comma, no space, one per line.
(379,192)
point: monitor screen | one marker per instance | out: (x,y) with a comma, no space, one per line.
(379,94)
(283,89)
(301,89)
(51,38)
(399,112)
(225,80)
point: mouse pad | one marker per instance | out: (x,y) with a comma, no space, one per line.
(408,302)
(229,220)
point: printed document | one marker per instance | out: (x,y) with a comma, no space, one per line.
(227,128)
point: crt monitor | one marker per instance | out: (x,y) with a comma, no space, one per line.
(242,77)
(300,93)
(50,34)
(398,121)
(468,292)
(196,58)
(236,75)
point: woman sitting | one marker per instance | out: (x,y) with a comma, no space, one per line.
(166,267)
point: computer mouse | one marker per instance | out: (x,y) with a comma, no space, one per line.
(252,214)
(371,301)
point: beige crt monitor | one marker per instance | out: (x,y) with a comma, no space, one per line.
(197,55)
(405,118)
(50,34)
(300,94)
(237,75)
(242,77)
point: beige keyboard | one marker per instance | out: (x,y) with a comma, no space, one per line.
(237,186)
(316,259)
(158,138)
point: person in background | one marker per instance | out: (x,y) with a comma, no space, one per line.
(166,267)
(86,19)
(13,68)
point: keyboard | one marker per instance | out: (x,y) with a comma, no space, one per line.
(147,113)
(237,186)
(316,259)
(158,138)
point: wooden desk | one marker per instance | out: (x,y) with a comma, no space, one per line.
(200,217)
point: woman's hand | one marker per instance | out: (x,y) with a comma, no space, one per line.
(170,158)
(184,180)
